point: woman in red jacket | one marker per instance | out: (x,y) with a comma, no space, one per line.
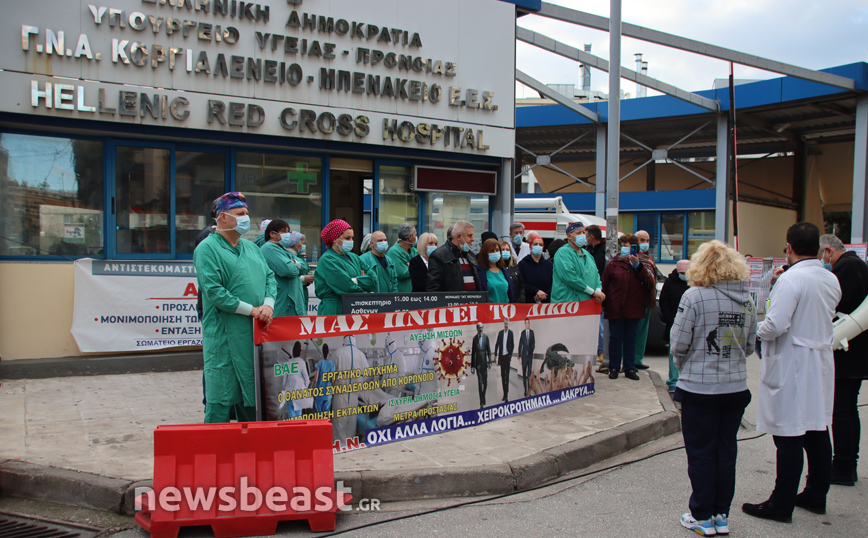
(626,284)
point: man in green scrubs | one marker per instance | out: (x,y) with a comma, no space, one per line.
(381,267)
(339,270)
(575,276)
(289,300)
(236,285)
(401,253)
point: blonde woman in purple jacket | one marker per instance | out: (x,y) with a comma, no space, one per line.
(712,336)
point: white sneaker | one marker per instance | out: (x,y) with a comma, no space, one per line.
(721,524)
(703,528)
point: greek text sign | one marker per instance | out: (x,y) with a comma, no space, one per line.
(135,305)
(435,75)
(390,376)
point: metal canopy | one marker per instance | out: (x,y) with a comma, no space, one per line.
(533,83)
(582,18)
(764,129)
(572,53)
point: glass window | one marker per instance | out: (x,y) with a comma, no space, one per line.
(625,222)
(199,179)
(397,203)
(446,209)
(143,198)
(671,236)
(52,191)
(649,223)
(282,187)
(700,228)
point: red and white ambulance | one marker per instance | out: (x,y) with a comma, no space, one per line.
(549,217)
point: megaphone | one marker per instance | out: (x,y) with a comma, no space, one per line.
(849,326)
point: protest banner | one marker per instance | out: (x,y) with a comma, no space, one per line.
(859,248)
(389,376)
(134,305)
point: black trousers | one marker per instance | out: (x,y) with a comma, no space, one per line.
(846,428)
(504,376)
(709,424)
(791,461)
(525,372)
(482,379)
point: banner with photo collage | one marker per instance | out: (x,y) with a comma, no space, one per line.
(385,377)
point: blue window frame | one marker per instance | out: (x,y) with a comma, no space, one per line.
(675,235)
(160,196)
(152,198)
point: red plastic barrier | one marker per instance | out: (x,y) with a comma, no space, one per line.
(217,468)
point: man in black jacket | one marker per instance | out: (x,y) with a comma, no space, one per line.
(597,247)
(452,267)
(526,346)
(851,366)
(503,351)
(480,356)
(670,296)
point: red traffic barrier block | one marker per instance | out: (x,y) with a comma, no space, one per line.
(241,478)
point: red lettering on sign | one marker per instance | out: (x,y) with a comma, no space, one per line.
(191,290)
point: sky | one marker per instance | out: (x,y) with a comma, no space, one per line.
(806,33)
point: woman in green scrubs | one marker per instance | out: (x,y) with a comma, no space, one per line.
(339,270)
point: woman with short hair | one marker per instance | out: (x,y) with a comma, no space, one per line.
(712,335)
(426,244)
(626,283)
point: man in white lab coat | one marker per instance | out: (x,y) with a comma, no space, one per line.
(797,377)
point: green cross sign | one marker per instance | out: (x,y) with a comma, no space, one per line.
(302,177)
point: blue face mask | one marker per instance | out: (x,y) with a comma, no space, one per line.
(465,247)
(430,249)
(682,276)
(506,255)
(382,246)
(536,250)
(625,251)
(284,239)
(827,266)
(494,257)
(302,249)
(415,240)
(644,246)
(242,224)
(346,245)
(517,239)
(581,241)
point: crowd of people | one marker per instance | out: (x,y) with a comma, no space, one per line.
(705,304)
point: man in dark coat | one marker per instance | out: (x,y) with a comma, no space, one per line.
(452,267)
(480,356)
(670,296)
(503,351)
(597,247)
(851,366)
(526,345)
